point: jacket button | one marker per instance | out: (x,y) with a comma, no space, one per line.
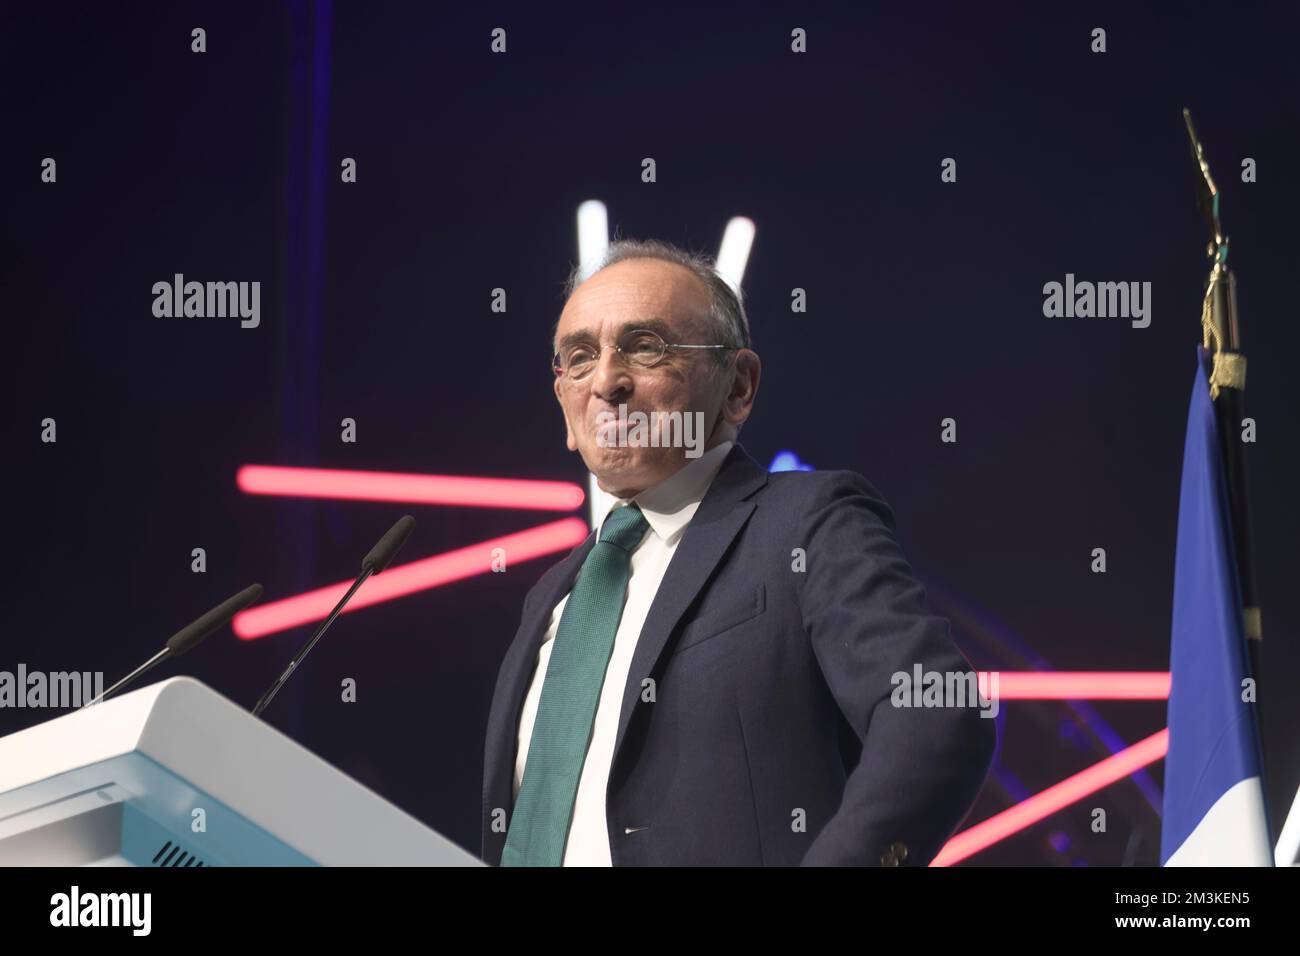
(895,855)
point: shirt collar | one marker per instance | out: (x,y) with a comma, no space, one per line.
(670,505)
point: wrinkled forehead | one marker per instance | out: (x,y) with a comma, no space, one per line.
(635,293)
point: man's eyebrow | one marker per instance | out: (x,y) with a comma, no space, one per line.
(573,338)
(651,324)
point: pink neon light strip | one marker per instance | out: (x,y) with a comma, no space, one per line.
(410,488)
(1061,795)
(1079,685)
(404,579)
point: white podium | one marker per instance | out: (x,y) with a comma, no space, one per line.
(176,775)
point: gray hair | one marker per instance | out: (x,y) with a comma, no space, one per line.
(726,306)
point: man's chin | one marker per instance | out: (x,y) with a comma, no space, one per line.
(621,472)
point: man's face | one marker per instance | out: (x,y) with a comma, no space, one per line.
(670,300)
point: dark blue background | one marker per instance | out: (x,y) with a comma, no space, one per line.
(925,302)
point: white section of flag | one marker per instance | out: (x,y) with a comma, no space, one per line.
(1232,833)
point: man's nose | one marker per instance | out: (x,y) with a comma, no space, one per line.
(612,380)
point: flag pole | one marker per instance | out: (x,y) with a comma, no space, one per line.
(1222,340)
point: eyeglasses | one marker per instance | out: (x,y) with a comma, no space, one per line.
(639,348)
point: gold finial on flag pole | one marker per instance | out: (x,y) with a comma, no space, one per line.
(1219,331)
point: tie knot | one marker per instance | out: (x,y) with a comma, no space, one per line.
(624,527)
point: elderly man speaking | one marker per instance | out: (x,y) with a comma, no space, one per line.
(712,678)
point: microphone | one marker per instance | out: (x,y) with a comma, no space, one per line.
(190,636)
(380,556)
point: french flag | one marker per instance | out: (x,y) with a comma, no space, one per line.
(1214,809)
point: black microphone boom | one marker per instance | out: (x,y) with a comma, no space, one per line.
(377,560)
(191,635)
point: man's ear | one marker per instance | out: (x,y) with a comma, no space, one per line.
(739,401)
(568,432)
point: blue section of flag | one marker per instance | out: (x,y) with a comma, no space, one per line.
(1213,738)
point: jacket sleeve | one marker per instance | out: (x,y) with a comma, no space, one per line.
(920,767)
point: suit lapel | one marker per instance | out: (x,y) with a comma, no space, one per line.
(721,515)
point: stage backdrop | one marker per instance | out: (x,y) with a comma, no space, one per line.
(924,302)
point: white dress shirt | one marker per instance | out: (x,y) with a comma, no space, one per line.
(668,508)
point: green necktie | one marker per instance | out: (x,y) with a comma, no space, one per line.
(539,826)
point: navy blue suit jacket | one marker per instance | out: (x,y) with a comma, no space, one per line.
(771,738)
